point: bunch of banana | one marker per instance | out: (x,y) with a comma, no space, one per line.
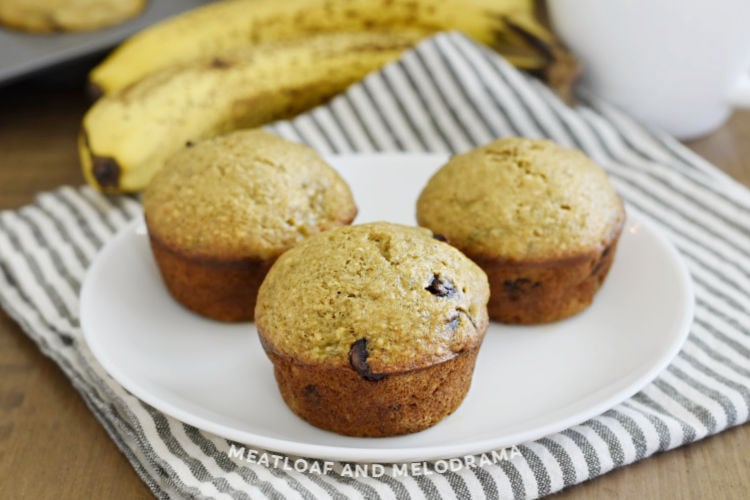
(243,63)
(127,136)
(230,24)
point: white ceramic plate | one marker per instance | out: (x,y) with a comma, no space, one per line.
(529,381)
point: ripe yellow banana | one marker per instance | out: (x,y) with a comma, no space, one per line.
(126,136)
(229,24)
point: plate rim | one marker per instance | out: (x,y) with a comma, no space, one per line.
(371,455)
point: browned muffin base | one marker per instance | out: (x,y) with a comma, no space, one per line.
(543,292)
(342,401)
(223,290)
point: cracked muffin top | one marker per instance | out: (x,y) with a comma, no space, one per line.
(520,198)
(247,194)
(385,298)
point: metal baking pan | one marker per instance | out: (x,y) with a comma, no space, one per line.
(24,53)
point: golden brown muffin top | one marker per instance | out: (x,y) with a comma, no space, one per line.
(247,194)
(518,198)
(414,300)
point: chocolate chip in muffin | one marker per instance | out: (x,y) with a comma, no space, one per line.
(358,359)
(516,288)
(312,395)
(441,287)
(598,265)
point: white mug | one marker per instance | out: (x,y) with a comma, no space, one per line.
(676,65)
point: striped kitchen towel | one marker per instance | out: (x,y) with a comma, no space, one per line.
(446,95)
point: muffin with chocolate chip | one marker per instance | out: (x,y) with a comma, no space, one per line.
(542,220)
(373,330)
(221,211)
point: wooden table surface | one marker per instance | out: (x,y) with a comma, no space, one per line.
(51,446)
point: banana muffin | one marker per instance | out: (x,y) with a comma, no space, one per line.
(374,329)
(542,220)
(221,211)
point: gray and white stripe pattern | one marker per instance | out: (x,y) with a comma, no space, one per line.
(448,95)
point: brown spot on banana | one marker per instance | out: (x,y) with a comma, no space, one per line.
(93,91)
(103,170)
(220,63)
(106,171)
